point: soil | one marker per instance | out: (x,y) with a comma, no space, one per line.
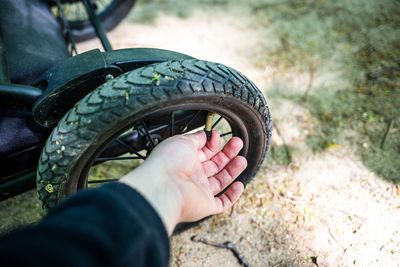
(323,209)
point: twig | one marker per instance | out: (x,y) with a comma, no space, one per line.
(232,209)
(228,245)
(330,232)
(261,227)
(310,82)
(287,152)
(268,5)
(386,133)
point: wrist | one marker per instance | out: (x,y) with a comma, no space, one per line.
(159,191)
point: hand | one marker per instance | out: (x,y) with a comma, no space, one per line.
(184,173)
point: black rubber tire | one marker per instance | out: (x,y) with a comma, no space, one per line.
(103,114)
(110,18)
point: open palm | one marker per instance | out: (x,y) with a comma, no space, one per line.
(201,170)
(185,174)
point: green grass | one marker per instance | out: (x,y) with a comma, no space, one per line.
(19,211)
(147,11)
(360,40)
(280,155)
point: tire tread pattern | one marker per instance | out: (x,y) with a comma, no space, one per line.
(131,93)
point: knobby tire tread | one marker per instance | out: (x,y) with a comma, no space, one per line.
(121,97)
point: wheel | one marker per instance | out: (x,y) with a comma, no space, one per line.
(110,12)
(123,119)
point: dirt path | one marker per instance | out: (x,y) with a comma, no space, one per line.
(326,208)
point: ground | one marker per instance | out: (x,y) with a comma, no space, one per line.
(323,209)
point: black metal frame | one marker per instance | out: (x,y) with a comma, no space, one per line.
(4,74)
(100,32)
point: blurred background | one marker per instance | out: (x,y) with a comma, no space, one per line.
(328,192)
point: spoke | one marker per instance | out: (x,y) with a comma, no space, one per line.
(148,134)
(102,181)
(189,122)
(215,124)
(224,134)
(171,125)
(130,149)
(116,158)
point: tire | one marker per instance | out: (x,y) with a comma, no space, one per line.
(102,115)
(110,17)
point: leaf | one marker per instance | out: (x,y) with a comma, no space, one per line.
(334,146)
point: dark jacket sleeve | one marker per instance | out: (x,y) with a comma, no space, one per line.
(109,226)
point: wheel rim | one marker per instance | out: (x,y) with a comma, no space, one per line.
(223,120)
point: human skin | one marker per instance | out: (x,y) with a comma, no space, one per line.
(184,173)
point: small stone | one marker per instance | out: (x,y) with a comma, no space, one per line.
(49,188)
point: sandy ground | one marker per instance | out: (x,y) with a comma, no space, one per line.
(325,208)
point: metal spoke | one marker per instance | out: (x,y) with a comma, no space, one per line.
(148,134)
(130,149)
(189,122)
(116,158)
(224,134)
(171,124)
(215,124)
(65,24)
(102,181)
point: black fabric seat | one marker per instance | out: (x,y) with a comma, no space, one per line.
(32,37)
(33,42)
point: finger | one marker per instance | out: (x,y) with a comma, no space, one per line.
(228,174)
(213,145)
(222,158)
(199,139)
(229,197)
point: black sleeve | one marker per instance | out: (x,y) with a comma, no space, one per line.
(109,226)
